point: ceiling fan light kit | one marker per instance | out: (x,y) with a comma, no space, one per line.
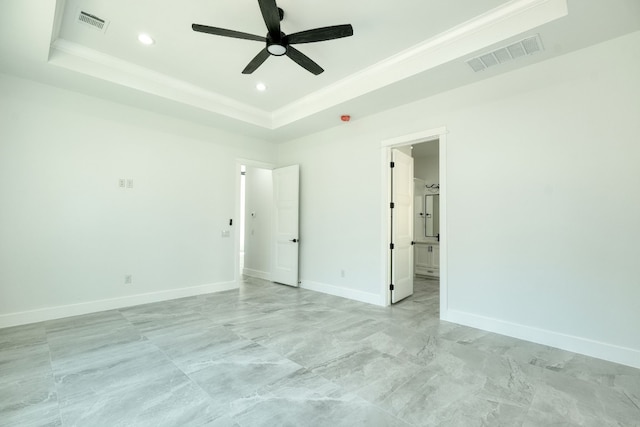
(276,49)
(277,42)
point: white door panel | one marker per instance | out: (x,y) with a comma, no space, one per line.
(286,187)
(402,226)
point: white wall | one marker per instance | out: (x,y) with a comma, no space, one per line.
(339,210)
(542,173)
(427,169)
(69,234)
(259,205)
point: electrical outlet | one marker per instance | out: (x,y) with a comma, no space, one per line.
(342,274)
(121,183)
(129,183)
(128,279)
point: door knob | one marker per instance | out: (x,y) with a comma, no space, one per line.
(294,240)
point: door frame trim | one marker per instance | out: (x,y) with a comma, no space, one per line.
(386,145)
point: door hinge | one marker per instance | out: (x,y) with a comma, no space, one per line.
(391,246)
(392,205)
(391,287)
(392,164)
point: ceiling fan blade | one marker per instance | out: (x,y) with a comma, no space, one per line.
(226,33)
(321,34)
(256,62)
(271,17)
(303,60)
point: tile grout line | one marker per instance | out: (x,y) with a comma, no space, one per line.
(53,374)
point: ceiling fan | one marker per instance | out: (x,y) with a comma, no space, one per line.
(279,43)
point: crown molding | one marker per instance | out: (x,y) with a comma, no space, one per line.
(78,58)
(508,20)
(492,27)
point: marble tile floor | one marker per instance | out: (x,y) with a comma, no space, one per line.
(270,355)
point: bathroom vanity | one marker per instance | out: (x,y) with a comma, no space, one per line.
(427,259)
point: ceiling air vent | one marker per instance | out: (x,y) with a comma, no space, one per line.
(524,47)
(92,21)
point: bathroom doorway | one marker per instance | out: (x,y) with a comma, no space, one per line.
(428,150)
(426,225)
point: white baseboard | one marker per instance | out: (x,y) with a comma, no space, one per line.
(50,313)
(367,297)
(256,273)
(597,349)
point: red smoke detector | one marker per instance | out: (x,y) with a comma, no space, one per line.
(345,118)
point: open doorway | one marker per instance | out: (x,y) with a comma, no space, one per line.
(426,228)
(255,203)
(243,198)
(428,150)
(267,240)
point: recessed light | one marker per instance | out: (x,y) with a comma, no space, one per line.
(261,87)
(145,39)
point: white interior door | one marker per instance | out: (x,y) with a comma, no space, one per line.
(401,225)
(286,187)
(419,219)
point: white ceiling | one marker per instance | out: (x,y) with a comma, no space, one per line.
(400,52)
(425,149)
